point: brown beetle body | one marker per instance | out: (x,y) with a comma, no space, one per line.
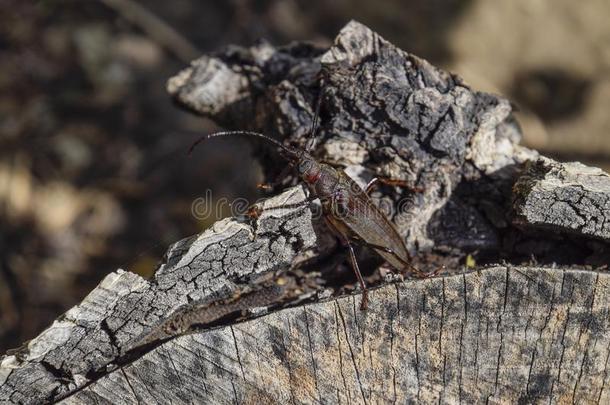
(348,209)
(366,222)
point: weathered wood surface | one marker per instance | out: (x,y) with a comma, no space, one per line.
(255,310)
(126,311)
(564,197)
(499,334)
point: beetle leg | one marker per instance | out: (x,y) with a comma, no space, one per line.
(255,211)
(391,182)
(372,185)
(414,269)
(365,294)
(278,179)
(303,203)
(352,256)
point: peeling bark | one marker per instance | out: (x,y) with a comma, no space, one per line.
(564,197)
(384,113)
(256,309)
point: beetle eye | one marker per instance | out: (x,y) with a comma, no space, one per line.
(304,166)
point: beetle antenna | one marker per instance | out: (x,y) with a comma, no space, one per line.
(289,152)
(311,141)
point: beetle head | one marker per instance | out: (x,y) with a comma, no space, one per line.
(309,170)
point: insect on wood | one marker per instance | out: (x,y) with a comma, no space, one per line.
(347,208)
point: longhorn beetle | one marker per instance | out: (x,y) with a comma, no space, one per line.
(348,210)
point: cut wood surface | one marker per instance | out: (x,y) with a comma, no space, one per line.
(564,197)
(263,309)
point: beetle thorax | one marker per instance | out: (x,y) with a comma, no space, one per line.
(309,170)
(320,178)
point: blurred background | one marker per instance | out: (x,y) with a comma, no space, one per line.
(93,167)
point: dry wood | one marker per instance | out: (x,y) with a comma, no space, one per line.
(252,310)
(564,197)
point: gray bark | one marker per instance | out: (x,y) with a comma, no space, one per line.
(569,197)
(263,309)
(384,113)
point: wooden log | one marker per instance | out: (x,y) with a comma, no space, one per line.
(263,309)
(500,334)
(564,197)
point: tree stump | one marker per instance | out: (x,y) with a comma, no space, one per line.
(265,308)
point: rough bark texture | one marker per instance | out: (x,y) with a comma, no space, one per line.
(384,113)
(211,273)
(255,309)
(569,197)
